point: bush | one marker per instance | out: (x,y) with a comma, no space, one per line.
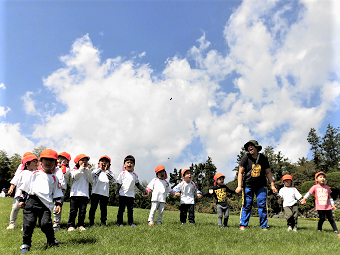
(337,215)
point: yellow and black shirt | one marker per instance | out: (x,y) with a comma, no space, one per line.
(220,193)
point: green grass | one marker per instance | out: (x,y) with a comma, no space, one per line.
(172,238)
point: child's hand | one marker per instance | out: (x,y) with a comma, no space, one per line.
(199,195)
(145,193)
(21,204)
(211,191)
(172,192)
(238,190)
(10,191)
(178,194)
(333,206)
(57,209)
(303,201)
(117,196)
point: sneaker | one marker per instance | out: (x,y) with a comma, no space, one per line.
(183,223)
(55,243)
(56,226)
(81,228)
(289,228)
(24,248)
(103,224)
(295,229)
(336,232)
(133,225)
(119,225)
(265,229)
(70,229)
(192,223)
(150,223)
(11,226)
(22,228)
(158,222)
(220,226)
(242,228)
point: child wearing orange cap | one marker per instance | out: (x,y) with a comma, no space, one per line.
(187,190)
(160,189)
(290,194)
(81,178)
(28,164)
(323,201)
(39,195)
(219,191)
(63,173)
(102,178)
(126,182)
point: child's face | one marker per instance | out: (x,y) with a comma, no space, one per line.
(129,165)
(188,176)
(104,164)
(62,160)
(32,165)
(220,181)
(161,174)
(47,164)
(287,183)
(84,162)
(321,179)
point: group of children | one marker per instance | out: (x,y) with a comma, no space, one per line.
(41,185)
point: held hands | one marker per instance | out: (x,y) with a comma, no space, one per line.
(303,201)
(199,195)
(274,190)
(334,208)
(178,194)
(238,189)
(57,209)
(21,204)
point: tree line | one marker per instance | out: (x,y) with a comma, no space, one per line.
(325,157)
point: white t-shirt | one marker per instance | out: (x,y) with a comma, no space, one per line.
(128,180)
(101,182)
(80,180)
(160,189)
(289,195)
(63,178)
(20,180)
(188,191)
(45,187)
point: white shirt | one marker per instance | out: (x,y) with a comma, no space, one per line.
(128,180)
(289,195)
(63,178)
(101,182)
(160,189)
(80,180)
(20,179)
(188,191)
(45,187)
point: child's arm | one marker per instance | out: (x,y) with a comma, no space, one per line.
(298,196)
(198,193)
(10,191)
(141,188)
(177,189)
(305,198)
(110,176)
(22,199)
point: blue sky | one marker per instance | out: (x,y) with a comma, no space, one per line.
(96,77)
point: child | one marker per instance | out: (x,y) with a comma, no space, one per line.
(220,193)
(29,163)
(187,189)
(102,178)
(160,189)
(289,195)
(63,173)
(3,192)
(323,201)
(42,190)
(81,178)
(126,182)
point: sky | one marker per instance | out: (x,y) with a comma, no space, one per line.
(170,82)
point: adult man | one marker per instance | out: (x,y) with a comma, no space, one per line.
(253,170)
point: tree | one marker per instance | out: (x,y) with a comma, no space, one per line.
(315,142)
(331,147)
(38,150)
(175,177)
(5,167)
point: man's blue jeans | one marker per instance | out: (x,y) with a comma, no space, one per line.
(247,203)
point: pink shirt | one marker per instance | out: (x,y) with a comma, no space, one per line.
(321,197)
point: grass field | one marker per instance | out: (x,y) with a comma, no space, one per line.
(171,237)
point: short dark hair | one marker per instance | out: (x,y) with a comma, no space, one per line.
(131,158)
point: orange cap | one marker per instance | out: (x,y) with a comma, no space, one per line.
(28,158)
(79,157)
(287,177)
(183,172)
(27,154)
(105,156)
(66,155)
(317,174)
(218,176)
(49,153)
(159,168)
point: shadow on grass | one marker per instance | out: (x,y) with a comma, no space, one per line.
(81,240)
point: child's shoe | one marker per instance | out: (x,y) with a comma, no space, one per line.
(11,226)
(24,248)
(70,229)
(183,223)
(103,224)
(289,228)
(81,228)
(55,243)
(119,225)
(242,228)
(192,223)
(158,222)
(150,223)
(56,226)
(133,225)
(295,229)
(336,232)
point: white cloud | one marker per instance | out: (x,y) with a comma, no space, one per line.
(3,112)
(2,86)
(17,143)
(283,88)
(29,104)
